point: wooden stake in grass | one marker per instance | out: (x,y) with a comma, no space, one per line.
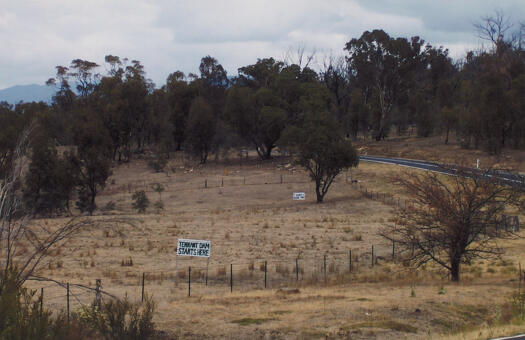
(231,277)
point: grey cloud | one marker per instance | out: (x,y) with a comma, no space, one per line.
(171,35)
(448,15)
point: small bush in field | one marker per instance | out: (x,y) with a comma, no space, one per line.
(158,205)
(22,318)
(121,319)
(109,206)
(140,201)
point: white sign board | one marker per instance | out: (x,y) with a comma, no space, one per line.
(299,196)
(198,248)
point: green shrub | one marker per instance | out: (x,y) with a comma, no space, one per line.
(140,201)
(22,318)
(121,319)
(159,205)
(111,205)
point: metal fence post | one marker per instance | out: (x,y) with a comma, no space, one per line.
(325,268)
(143,279)
(350,261)
(67,301)
(41,301)
(372,256)
(207,266)
(265,271)
(296,269)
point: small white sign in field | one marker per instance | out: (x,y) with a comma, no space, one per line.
(299,196)
(200,248)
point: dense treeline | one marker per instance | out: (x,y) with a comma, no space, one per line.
(383,86)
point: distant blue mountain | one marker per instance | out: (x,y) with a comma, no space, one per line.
(27,93)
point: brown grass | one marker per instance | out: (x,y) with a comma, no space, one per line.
(256,222)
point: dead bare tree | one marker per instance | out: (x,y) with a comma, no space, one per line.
(521,36)
(493,28)
(454,219)
(299,56)
(23,241)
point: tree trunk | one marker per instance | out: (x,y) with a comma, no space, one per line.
(204,155)
(454,269)
(318,192)
(93,195)
(268,154)
(446,139)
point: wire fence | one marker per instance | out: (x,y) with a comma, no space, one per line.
(212,181)
(199,274)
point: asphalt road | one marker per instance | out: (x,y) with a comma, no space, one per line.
(515,337)
(506,177)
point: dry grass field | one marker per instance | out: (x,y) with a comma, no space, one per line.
(250,218)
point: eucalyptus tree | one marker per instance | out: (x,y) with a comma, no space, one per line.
(383,68)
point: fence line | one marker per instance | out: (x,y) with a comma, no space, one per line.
(206,183)
(235,276)
(507,223)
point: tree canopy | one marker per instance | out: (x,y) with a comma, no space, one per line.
(383,85)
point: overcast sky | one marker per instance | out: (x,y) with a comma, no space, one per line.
(170,35)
